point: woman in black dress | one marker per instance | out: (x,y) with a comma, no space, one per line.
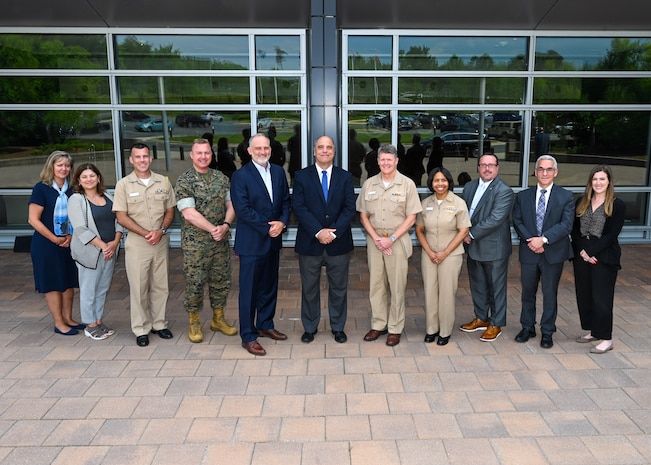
(55,274)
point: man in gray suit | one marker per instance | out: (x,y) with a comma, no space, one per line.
(488,245)
(542,216)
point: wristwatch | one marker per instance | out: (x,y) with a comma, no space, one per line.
(164,230)
(545,240)
(392,237)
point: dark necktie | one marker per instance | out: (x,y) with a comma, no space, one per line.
(540,211)
(324,184)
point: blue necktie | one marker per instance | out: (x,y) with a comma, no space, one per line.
(540,211)
(324,184)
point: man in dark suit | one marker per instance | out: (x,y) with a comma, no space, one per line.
(488,244)
(260,196)
(542,217)
(324,203)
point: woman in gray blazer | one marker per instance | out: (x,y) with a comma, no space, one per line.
(95,242)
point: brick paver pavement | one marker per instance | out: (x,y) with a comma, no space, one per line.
(73,401)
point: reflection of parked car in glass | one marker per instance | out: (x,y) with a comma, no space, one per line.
(264,123)
(190,120)
(507,116)
(424,119)
(212,117)
(152,124)
(134,115)
(458,122)
(378,121)
(505,130)
(462,144)
(404,123)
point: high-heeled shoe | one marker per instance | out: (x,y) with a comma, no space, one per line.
(594,350)
(72,331)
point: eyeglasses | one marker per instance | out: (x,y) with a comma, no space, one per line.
(545,170)
(487,165)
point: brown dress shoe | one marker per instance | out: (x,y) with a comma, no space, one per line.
(373,334)
(474,325)
(254,348)
(491,333)
(273,334)
(393,339)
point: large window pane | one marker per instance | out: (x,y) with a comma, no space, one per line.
(592,90)
(277,52)
(593,54)
(279,90)
(171,148)
(463,53)
(369,89)
(581,140)
(189,90)
(369,52)
(461,90)
(280,126)
(28,137)
(53,51)
(225,52)
(54,90)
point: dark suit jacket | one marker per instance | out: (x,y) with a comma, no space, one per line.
(491,230)
(254,209)
(557,225)
(314,213)
(606,248)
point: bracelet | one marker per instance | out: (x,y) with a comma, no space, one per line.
(227,223)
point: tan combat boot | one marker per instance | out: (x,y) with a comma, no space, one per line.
(194,328)
(218,323)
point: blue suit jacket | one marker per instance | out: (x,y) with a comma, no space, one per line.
(314,213)
(254,209)
(557,225)
(491,225)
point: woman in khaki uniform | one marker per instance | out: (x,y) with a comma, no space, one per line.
(440,229)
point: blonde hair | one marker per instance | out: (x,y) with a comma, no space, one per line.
(47,173)
(583,205)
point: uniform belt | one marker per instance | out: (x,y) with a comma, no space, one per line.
(385,234)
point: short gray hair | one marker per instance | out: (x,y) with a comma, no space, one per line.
(547,157)
(388,148)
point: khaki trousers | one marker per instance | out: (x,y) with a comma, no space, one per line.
(441,283)
(388,275)
(147,269)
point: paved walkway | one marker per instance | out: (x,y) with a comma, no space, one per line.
(71,400)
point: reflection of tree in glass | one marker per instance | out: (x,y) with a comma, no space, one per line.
(280,57)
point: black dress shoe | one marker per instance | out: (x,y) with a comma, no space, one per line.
(443,340)
(546,341)
(307,337)
(429,338)
(340,336)
(142,341)
(163,333)
(525,335)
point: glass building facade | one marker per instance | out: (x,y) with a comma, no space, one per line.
(96,92)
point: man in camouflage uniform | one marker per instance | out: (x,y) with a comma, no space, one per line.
(205,203)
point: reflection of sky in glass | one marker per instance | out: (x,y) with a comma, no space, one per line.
(500,49)
(580,51)
(267,56)
(369,46)
(233,49)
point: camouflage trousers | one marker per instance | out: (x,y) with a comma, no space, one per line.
(210,264)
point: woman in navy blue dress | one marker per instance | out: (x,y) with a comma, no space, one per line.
(55,274)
